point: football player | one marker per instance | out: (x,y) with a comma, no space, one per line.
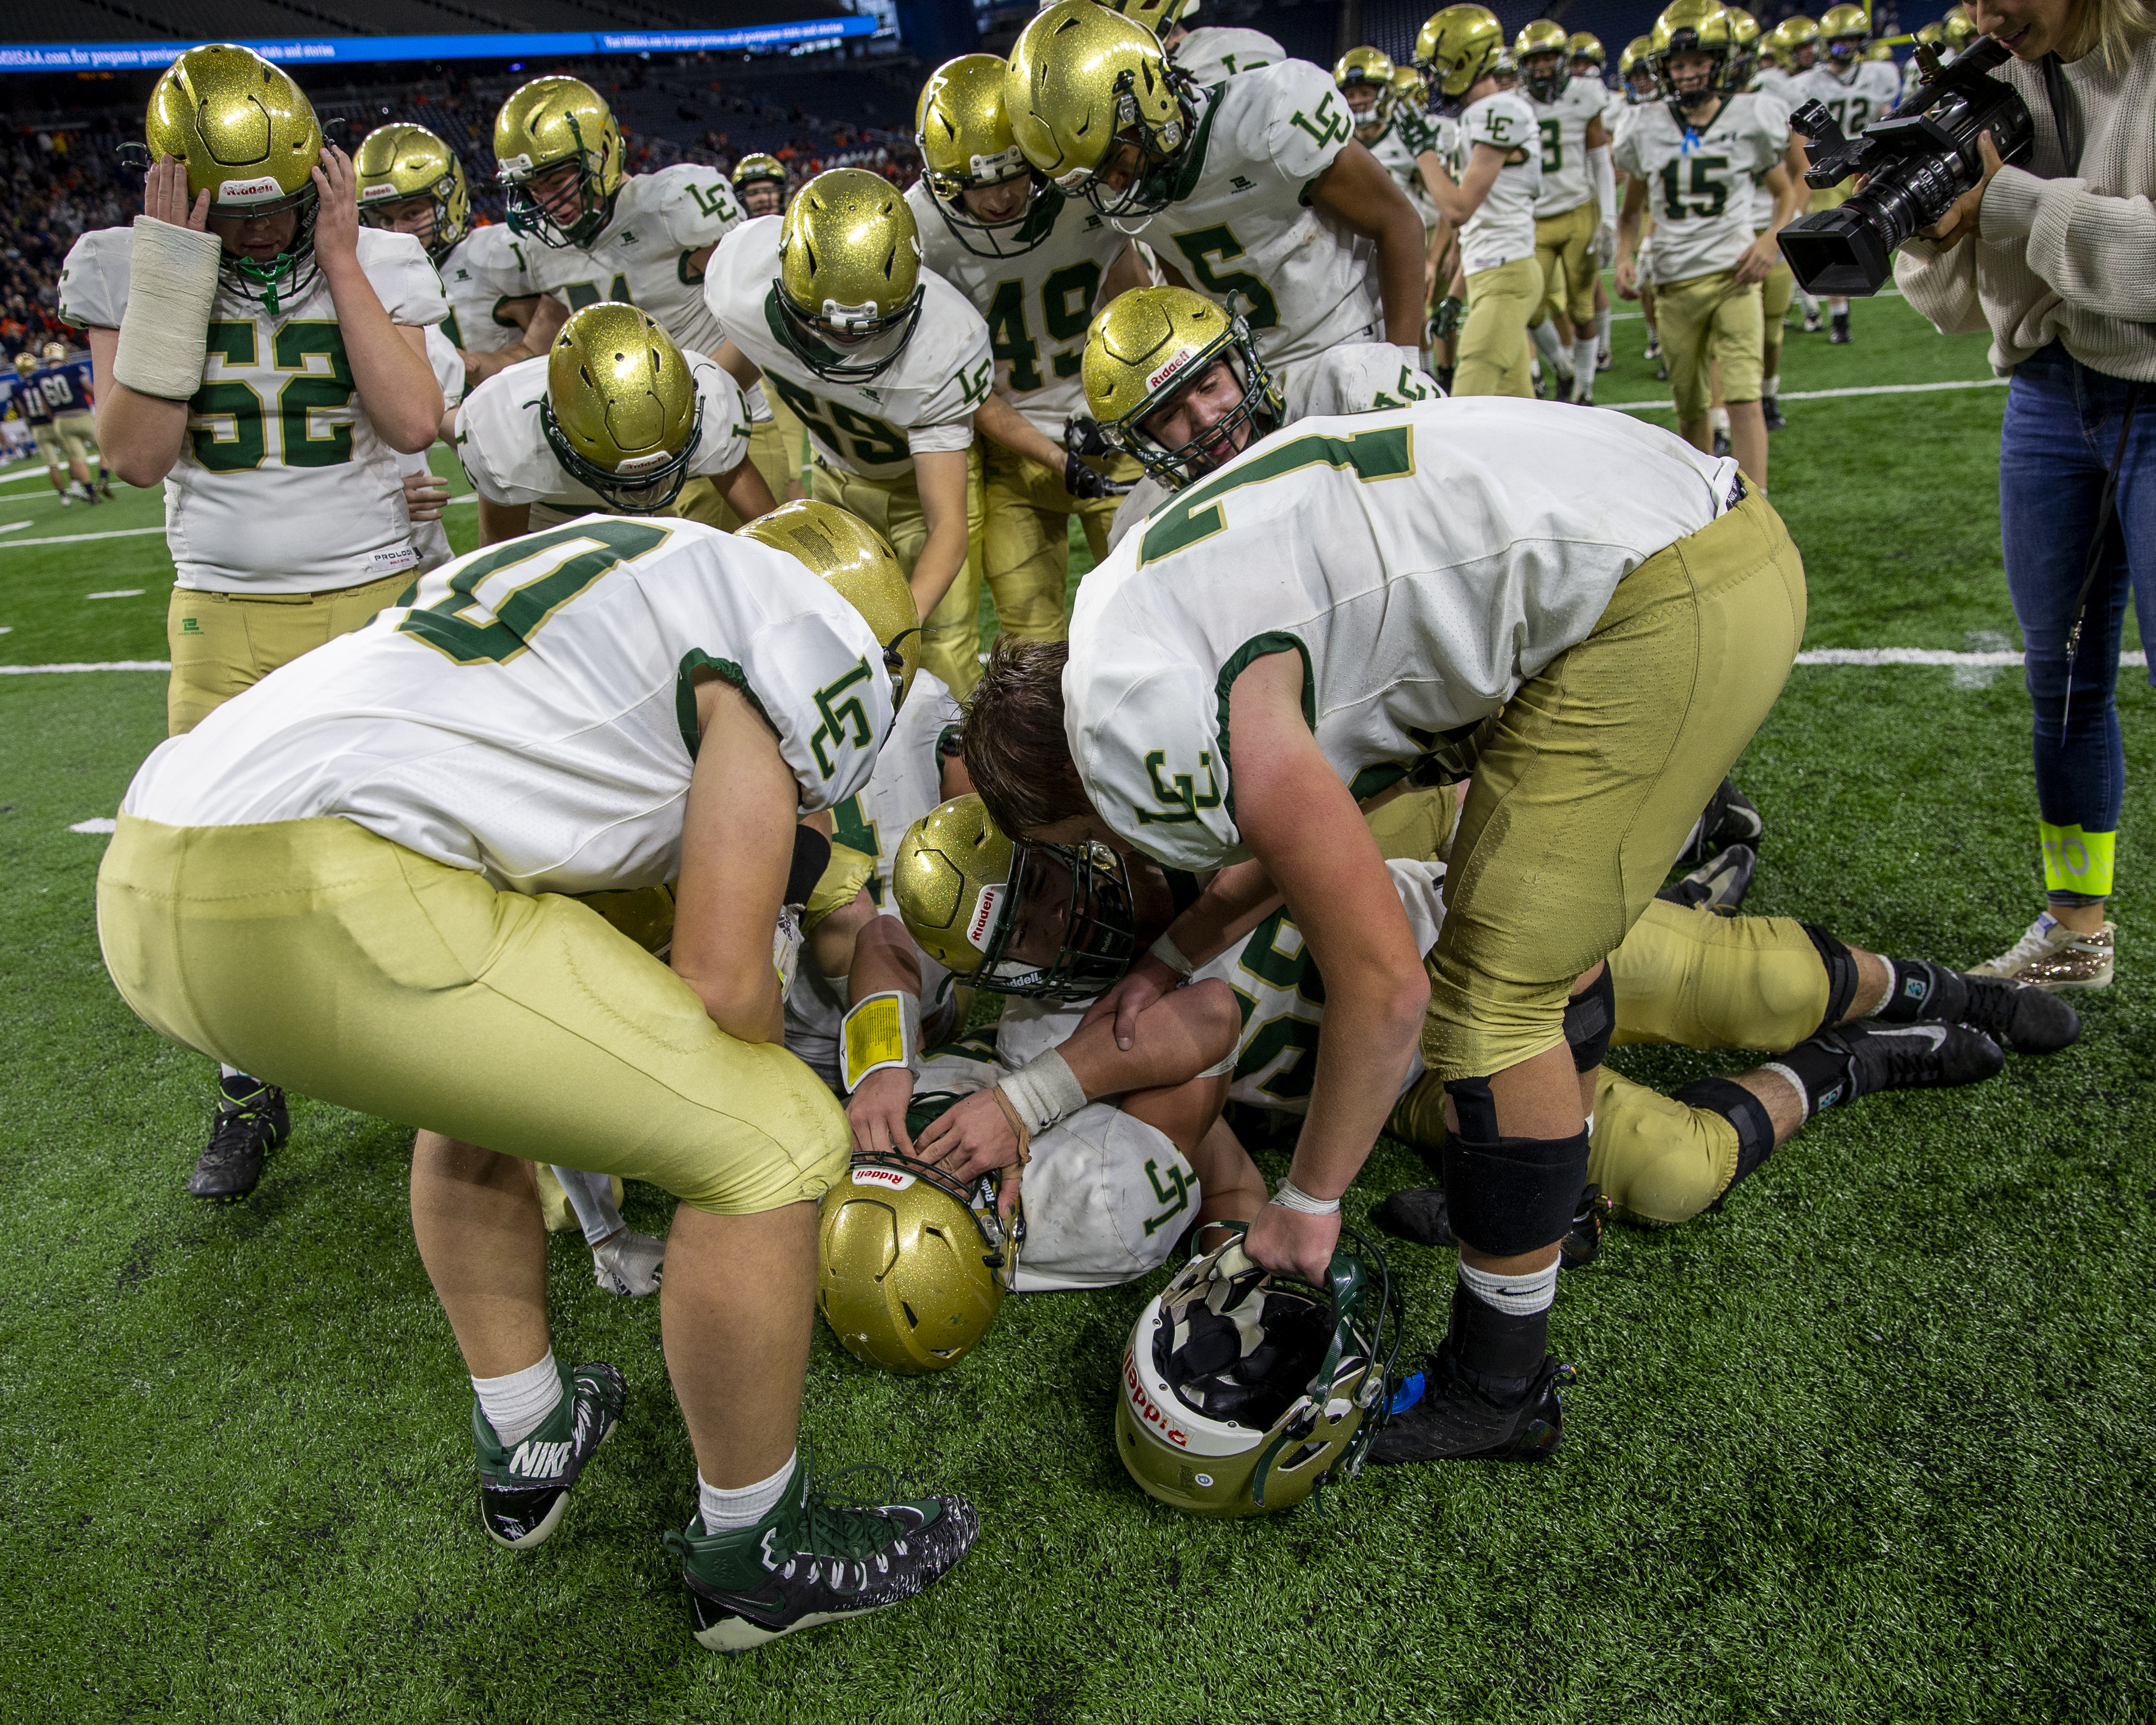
(1034,263)
(264,355)
(886,363)
(410,182)
(1490,584)
(48,396)
(1392,124)
(1209,54)
(1746,74)
(1697,156)
(1576,209)
(615,417)
(1590,62)
(1855,91)
(1254,188)
(310,885)
(777,443)
(760,183)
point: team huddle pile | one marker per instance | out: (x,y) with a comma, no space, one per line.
(679,832)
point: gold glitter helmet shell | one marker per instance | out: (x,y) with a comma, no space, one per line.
(1543,37)
(1304,1385)
(1692,27)
(961,884)
(966,143)
(849,287)
(1145,346)
(400,162)
(1457,48)
(249,137)
(1410,91)
(622,412)
(857,559)
(1845,30)
(1371,69)
(911,1265)
(758,169)
(1082,82)
(544,124)
(1585,45)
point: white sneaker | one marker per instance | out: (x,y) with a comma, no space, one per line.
(2051,956)
(630,1264)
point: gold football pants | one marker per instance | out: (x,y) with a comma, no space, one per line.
(1564,250)
(1025,542)
(1709,320)
(1492,356)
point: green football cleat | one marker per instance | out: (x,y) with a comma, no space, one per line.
(524,1490)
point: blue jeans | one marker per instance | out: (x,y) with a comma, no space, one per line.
(2062,427)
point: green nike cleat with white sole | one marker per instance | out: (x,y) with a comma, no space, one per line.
(524,1488)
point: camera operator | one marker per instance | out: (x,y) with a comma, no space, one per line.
(2058,261)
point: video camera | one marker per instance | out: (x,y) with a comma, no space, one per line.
(1917,160)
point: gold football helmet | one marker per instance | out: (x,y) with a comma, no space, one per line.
(1545,66)
(760,183)
(397,164)
(1366,69)
(1958,27)
(1458,47)
(977,901)
(26,362)
(544,126)
(1692,27)
(1158,16)
(1744,49)
(1410,94)
(1096,107)
(1796,43)
(848,282)
(53,353)
(250,138)
(966,145)
(1242,1392)
(1845,29)
(1636,71)
(911,1265)
(1583,45)
(622,413)
(1881,49)
(855,559)
(1147,346)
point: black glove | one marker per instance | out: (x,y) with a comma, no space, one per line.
(1447,321)
(1083,437)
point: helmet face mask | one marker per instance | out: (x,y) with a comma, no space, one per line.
(1098,110)
(410,182)
(1457,48)
(1701,34)
(1366,73)
(849,290)
(1153,351)
(1542,50)
(559,152)
(1134,178)
(622,411)
(760,183)
(968,153)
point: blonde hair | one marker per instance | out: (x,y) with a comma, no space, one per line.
(2118,28)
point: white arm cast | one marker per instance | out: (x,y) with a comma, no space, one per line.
(164,333)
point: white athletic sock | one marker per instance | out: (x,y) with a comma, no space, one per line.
(1718,419)
(1808,302)
(1840,308)
(745,1506)
(591,1196)
(1515,1296)
(517,1405)
(1583,362)
(1546,343)
(1773,387)
(1602,326)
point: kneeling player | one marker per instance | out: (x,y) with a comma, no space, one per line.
(313,885)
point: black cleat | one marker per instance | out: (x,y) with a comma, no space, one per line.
(1770,410)
(1730,817)
(1419,1213)
(1877,1057)
(813,1560)
(1814,323)
(1661,374)
(246,1130)
(1719,884)
(2023,1018)
(524,1489)
(1453,1420)
(1654,345)
(1839,335)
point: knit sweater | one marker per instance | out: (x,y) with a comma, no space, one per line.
(2071,260)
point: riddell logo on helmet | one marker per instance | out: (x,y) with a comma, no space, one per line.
(249,191)
(369,194)
(1168,371)
(1147,1411)
(984,917)
(890,1179)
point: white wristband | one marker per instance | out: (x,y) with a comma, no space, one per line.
(881,1031)
(1172,956)
(1292,1197)
(164,332)
(1043,1091)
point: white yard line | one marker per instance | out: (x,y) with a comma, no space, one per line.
(74,538)
(118,593)
(1664,406)
(110,665)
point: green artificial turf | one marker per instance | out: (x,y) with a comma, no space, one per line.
(1871,1444)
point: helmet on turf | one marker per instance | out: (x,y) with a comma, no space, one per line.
(910,1265)
(966,145)
(849,288)
(548,124)
(751,175)
(1093,100)
(621,412)
(854,557)
(395,164)
(250,138)
(1844,29)
(1545,42)
(1457,48)
(1691,27)
(985,907)
(1586,47)
(1744,49)
(1147,346)
(1366,69)
(1796,42)
(1958,27)
(1243,1393)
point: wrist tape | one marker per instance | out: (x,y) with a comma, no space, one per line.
(883,1030)
(786,941)
(1043,1091)
(1292,1197)
(1172,956)
(164,333)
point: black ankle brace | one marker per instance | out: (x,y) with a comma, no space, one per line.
(1923,992)
(1841,974)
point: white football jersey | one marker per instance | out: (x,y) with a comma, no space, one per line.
(1615,111)
(483,272)
(1872,89)
(1427,561)
(1699,184)
(924,402)
(1502,228)
(641,256)
(532,715)
(508,459)
(1912,74)
(1774,81)
(1763,200)
(1037,304)
(283,484)
(431,539)
(1240,222)
(1213,53)
(1398,157)
(1563,126)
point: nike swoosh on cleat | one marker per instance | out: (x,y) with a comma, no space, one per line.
(1937,1034)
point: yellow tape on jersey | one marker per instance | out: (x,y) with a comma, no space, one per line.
(883,1030)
